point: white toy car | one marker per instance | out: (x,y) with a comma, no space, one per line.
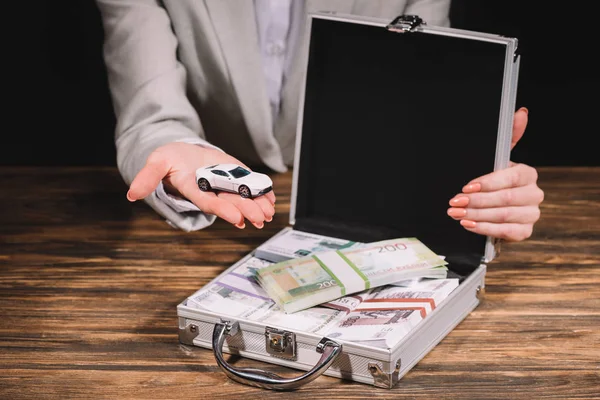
(233,178)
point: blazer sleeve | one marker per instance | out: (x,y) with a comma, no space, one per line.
(433,12)
(148,89)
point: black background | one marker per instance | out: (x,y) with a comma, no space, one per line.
(57,108)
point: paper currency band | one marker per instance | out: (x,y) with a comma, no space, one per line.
(423,305)
(347,275)
(421,310)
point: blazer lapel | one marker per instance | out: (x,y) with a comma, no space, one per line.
(235,27)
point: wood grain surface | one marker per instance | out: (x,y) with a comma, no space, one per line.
(89,285)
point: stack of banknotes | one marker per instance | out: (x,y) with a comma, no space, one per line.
(378,316)
(296,244)
(300,283)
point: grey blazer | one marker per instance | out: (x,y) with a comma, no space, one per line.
(190,70)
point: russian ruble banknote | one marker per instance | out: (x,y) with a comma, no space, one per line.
(377,317)
(385,315)
(380,328)
(422,297)
(236,294)
(304,282)
(296,244)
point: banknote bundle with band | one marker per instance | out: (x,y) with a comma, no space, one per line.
(300,283)
(378,317)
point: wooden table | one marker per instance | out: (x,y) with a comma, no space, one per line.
(89,285)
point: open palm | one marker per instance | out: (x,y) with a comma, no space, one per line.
(176,163)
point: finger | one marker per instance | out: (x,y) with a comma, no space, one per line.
(519,124)
(513,176)
(519,196)
(519,215)
(509,232)
(209,203)
(248,207)
(271,197)
(266,206)
(146,181)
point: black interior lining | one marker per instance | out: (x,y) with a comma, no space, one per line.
(394,126)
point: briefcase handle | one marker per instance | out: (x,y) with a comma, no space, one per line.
(264,379)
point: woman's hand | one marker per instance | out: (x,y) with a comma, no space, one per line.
(176,163)
(502,204)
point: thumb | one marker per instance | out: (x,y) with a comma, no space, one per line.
(148,178)
(519,125)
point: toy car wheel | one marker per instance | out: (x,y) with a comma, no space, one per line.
(203,185)
(244,191)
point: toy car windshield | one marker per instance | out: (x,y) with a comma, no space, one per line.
(239,172)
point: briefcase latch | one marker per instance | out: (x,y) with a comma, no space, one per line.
(405,23)
(280,343)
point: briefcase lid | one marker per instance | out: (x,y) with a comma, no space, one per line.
(395,118)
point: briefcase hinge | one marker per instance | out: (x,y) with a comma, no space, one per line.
(280,343)
(405,23)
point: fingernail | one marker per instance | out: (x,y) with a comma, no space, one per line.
(525,109)
(259,226)
(457,212)
(269,219)
(460,201)
(468,223)
(240,226)
(472,187)
(130,198)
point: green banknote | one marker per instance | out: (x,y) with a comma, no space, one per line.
(304,282)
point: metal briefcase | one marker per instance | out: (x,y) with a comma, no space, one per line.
(396,116)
